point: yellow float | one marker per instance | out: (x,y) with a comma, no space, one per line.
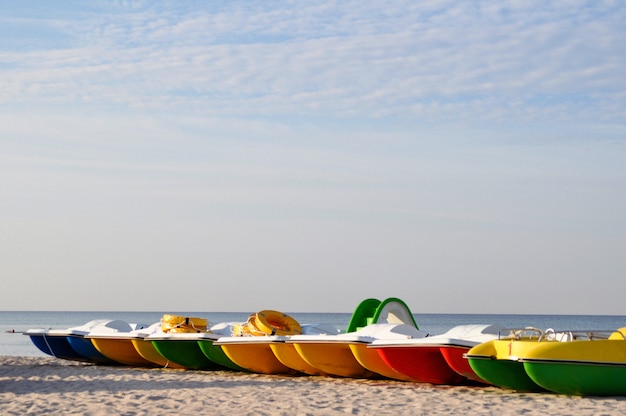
(268,322)
(250,345)
(276,323)
(183,324)
(248,328)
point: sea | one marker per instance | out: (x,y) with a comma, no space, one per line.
(14,323)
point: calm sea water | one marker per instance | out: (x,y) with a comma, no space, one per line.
(13,343)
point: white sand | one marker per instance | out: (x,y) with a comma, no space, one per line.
(52,386)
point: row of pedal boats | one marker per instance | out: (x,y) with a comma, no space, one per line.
(382,340)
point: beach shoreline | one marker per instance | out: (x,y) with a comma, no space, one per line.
(34,385)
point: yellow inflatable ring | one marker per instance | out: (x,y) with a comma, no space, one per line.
(249,328)
(175,323)
(276,323)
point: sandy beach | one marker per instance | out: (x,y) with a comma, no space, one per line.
(35,386)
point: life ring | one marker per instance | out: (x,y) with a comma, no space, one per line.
(249,328)
(175,323)
(272,322)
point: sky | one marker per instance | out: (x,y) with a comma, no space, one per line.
(466,157)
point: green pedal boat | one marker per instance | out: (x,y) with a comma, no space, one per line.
(496,361)
(592,364)
(183,349)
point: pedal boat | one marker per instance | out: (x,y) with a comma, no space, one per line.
(182,348)
(592,364)
(215,353)
(254,353)
(250,345)
(177,342)
(286,352)
(370,359)
(146,350)
(435,359)
(70,343)
(116,343)
(333,354)
(496,361)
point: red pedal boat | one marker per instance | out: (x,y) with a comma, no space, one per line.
(436,359)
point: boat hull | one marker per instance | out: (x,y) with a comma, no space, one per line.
(371,359)
(216,354)
(57,346)
(120,350)
(287,354)
(146,349)
(333,358)
(582,368)
(454,356)
(497,363)
(184,352)
(423,363)
(85,347)
(255,356)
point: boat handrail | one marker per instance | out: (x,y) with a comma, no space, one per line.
(550,334)
(593,334)
(577,335)
(528,332)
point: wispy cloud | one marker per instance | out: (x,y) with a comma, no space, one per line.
(469,61)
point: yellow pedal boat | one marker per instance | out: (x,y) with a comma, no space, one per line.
(333,354)
(146,349)
(250,347)
(116,344)
(286,352)
(346,355)
(254,353)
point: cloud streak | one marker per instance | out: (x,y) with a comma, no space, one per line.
(469,61)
